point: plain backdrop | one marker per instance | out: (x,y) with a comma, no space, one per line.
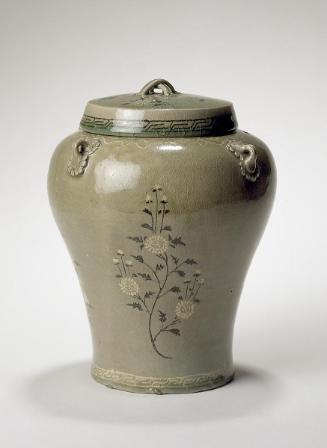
(269,58)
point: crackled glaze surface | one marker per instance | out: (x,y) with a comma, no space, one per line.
(158,110)
(164,275)
(161,232)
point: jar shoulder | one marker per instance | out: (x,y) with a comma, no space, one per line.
(195,170)
(203,148)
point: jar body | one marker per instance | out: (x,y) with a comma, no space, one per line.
(161,232)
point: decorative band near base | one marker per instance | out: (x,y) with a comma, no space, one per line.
(155,385)
(159,128)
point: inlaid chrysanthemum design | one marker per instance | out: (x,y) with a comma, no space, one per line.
(184,309)
(160,282)
(129,286)
(156,244)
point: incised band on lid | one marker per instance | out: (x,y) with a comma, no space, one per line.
(158,111)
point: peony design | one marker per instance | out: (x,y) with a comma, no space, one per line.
(156,244)
(161,283)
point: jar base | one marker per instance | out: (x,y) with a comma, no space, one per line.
(155,385)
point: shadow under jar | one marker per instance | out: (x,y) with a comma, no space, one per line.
(161,201)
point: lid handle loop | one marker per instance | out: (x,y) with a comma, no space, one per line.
(157,87)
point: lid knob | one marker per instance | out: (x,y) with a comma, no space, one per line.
(157,87)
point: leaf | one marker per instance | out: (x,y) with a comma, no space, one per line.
(148,294)
(162,316)
(175,331)
(138,258)
(146,226)
(119,276)
(167,211)
(134,275)
(159,267)
(196,300)
(144,276)
(167,228)
(146,210)
(137,239)
(181,273)
(176,260)
(135,305)
(190,261)
(175,289)
(141,246)
(180,298)
(178,241)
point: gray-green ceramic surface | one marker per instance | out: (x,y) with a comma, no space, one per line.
(161,232)
(158,110)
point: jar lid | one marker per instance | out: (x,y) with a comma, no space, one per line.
(158,111)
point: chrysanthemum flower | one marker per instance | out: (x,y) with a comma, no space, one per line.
(156,244)
(184,309)
(129,286)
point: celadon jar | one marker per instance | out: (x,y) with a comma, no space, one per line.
(161,201)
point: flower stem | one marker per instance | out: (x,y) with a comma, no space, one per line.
(186,291)
(152,223)
(177,267)
(155,229)
(149,208)
(154,344)
(192,287)
(123,264)
(166,327)
(153,271)
(144,304)
(152,339)
(196,293)
(163,216)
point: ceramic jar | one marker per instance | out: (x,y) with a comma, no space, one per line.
(161,201)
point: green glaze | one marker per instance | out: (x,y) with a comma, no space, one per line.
(159,111)
(161,231)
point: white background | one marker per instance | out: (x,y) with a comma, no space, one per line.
(269,58)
